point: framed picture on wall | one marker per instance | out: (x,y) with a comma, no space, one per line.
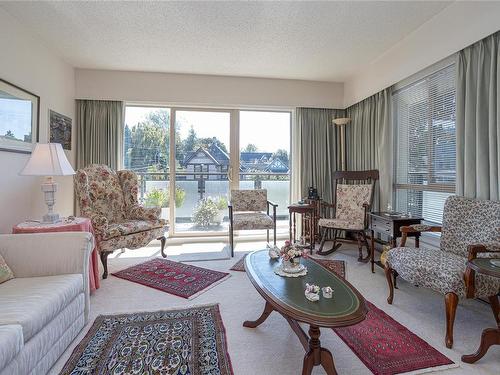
(19,115)
(60,129)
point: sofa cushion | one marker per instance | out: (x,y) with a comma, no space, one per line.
(33,302)
(252,220)
(5,271)
(11,343)
(438,270)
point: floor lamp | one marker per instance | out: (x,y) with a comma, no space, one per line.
(342,122)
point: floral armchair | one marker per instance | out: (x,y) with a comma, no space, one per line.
(353,202)
(246,213)
(471,228)
(109,199)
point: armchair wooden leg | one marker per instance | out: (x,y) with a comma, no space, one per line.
(388,275)
(451,302)
(231,240)
(163,241)
(495,306)
(104,260)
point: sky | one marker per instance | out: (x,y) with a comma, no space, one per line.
(15,115)
(269,131)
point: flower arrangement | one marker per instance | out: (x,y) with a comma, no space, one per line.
(289,252)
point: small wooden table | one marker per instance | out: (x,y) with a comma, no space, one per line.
(286,296)
(307,212)
(490,336)
(389,225)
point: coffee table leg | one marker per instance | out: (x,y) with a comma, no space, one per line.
(317,355)
(489,337)
(268,309)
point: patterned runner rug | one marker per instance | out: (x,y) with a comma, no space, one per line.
(239,265)
(179,279)
(187,341)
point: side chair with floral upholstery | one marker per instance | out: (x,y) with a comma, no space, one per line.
(471,228)
(349,212)
(110,200)
(246,212)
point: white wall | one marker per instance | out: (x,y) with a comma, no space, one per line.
(26,63)
(205,89)
(457,26)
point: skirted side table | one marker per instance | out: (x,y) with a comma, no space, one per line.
(77,224)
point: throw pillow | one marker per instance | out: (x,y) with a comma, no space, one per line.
(5,271)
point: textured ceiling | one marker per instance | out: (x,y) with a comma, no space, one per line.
(324,41)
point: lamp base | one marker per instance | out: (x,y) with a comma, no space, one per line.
(50,218)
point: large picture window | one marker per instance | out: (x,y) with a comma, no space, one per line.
(425,147)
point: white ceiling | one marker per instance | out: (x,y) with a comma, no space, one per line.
(323,41)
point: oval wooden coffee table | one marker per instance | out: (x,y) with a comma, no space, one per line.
(286,296)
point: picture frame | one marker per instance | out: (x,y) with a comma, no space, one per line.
(60,128)
(19,118)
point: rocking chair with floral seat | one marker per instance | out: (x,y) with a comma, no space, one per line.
(353,201)
(110,200)
(471,228)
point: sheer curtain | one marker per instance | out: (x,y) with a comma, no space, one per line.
(319,154)
(99,132)
(369,142)
(478,119)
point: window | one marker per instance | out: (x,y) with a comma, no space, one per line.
(425,152)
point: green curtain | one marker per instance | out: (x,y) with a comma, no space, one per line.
(369,142)
(318,148)
(99,132)
(478,119)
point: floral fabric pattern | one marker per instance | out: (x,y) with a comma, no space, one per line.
(249,200)
(440,271)
(109,199)
(5,271)
(465,222)
(341,224)
(252,220)
(469,221)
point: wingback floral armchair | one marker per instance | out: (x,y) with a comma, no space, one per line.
(471,228)
(246,213)
(109,199)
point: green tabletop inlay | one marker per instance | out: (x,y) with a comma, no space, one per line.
(290,290)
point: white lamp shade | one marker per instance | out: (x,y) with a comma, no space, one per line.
(341,121)
(48,159)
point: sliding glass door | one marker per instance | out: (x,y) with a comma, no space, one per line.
(203,154)
(202,165)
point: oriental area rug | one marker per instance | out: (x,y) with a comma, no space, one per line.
(176,278)
(186,341)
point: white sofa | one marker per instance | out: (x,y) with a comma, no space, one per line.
(46,305)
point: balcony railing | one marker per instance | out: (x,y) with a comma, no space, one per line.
(192,188)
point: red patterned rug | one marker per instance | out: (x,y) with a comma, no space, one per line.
(239,265)
(179,279)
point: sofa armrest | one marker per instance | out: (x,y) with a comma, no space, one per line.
(47,254)
(138,212)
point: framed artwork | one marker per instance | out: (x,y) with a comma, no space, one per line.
(60,129)
(19,115)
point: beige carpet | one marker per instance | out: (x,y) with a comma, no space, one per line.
(273,348)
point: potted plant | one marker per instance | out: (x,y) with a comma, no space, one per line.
(205,212)
(221,203)
(160,198)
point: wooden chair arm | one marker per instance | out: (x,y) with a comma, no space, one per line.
(474,249)
(417,228)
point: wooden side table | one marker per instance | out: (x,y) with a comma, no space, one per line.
(307,217)
(77,224)
(490,336)
(389,225)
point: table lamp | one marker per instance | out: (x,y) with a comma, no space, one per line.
(342,122)
(48,159)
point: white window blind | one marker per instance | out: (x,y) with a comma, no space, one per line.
(425,144)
